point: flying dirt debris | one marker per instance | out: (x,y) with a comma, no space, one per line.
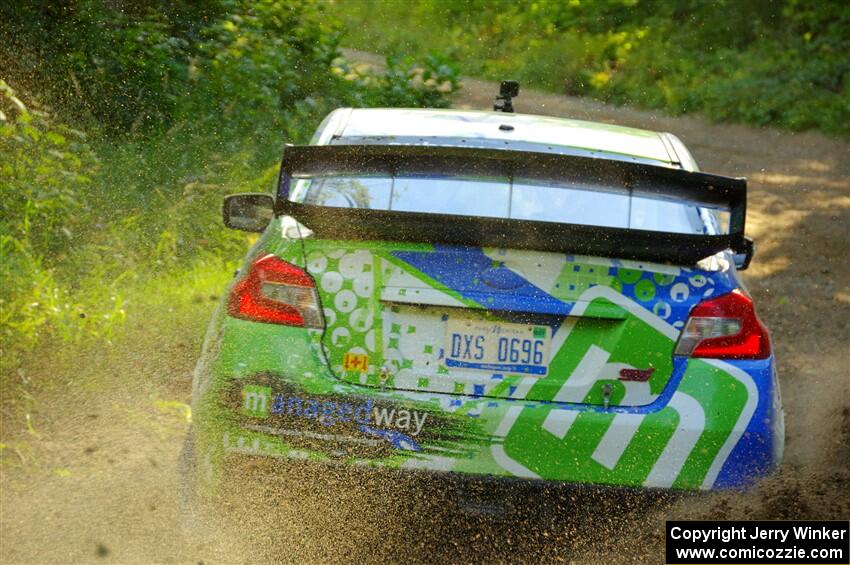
(103,484)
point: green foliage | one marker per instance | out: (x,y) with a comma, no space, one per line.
(762,62)
(44,169)
(44,165)
(124,71)
(183,102)
(145,67)
(265,62)
(433,80)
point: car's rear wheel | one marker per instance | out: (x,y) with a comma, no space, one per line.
(195,515)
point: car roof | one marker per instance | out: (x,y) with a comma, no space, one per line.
(495,129)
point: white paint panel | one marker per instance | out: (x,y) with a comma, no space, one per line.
(431,462)
(631,306)
(617,437)
(414,295)
(508,421)
(558,422)
(740,425)
(584,376)
(510,465)
(524,386)
(688,431)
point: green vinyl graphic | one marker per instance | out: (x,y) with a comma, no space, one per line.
(373,387)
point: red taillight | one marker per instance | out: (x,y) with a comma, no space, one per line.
(725,327)
(276,292)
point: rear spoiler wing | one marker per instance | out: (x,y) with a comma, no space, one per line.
(632,178)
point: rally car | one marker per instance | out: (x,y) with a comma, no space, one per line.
(489,294)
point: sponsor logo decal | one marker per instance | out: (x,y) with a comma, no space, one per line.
(391,423)
(637,375)
(256,400)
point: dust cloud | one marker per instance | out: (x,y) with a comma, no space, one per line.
(92,476)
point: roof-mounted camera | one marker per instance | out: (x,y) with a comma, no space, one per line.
(508,90)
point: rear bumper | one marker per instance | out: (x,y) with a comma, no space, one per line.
(484,494)
(719,424)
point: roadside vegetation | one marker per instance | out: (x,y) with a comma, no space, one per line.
(779,63)
(122,125)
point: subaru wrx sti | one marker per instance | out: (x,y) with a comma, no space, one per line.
(492,295)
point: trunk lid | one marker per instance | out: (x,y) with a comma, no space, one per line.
(501,323)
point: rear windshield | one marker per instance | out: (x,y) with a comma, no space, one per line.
(569,203)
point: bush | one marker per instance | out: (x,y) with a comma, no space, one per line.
(46,169)
(761,62)
(183,103)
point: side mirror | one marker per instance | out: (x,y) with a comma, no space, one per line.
(250,211)
(744,254)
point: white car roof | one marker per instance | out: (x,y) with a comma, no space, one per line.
(350,125)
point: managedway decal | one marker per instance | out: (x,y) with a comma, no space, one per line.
(331,412)
(324,422)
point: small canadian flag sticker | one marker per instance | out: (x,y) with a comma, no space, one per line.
(355,362)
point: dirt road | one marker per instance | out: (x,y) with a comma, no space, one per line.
(93,475)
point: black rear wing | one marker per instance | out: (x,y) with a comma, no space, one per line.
(631,178)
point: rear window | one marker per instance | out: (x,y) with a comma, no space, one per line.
(570,203)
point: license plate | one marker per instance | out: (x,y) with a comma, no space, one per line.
(497,347)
